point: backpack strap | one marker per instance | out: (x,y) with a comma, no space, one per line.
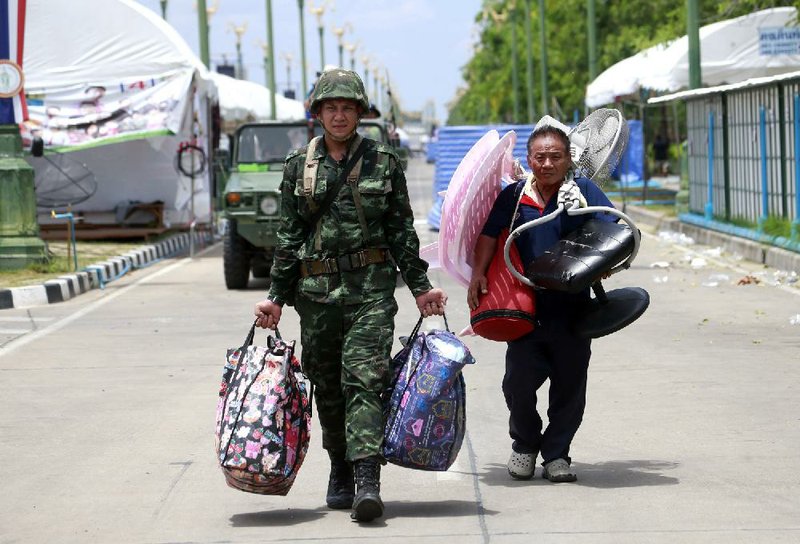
(352,180)
(310,172)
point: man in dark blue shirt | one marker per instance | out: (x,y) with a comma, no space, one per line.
(552,351)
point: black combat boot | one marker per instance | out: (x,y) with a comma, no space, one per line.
(341,487)
(367,504)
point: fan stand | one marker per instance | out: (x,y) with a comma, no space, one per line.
(609,312)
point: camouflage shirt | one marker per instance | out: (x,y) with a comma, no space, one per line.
(383,195)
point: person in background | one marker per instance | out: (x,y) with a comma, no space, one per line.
(337,268)
(552,350)
(661,154)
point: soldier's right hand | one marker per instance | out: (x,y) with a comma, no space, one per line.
(268,314)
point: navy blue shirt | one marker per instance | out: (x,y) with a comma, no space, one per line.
(550,305)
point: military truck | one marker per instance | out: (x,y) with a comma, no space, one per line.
(250,203)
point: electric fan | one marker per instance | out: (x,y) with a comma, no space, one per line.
(598,248)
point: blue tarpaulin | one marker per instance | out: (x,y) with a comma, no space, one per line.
(453,144)
(631,167)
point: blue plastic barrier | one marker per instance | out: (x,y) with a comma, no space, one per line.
(631,166)
(452,145)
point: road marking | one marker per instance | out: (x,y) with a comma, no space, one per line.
(24,319)
(27,339)
(14,331)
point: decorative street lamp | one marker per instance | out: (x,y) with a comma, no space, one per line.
(339,31)
(239,31)
(381,101)
(265,57)
(351,47)
(204,15)
(376,69)
(302,48)
(365,60)
(288,58)
(319,11)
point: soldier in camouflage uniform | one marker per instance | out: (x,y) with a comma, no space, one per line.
(339,273)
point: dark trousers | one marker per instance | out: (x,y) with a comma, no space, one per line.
(564,359)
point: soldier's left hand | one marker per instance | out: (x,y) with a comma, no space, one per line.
(432,302)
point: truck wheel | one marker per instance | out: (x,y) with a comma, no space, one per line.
(236,259)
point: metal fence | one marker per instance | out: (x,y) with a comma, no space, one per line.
(742,151)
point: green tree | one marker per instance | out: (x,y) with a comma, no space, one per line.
(624,27)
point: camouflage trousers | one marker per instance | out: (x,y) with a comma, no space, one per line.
(346,355)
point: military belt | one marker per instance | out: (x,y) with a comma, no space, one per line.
(343,263)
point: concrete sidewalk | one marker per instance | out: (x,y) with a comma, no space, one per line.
(750,250)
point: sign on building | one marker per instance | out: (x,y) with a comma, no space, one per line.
(779,41)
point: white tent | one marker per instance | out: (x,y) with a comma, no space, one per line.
(242,101)
(115,88)
(731,51)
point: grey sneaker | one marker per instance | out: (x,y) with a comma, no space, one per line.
(521,465)
(558,470)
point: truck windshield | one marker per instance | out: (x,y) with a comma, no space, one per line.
(269,143)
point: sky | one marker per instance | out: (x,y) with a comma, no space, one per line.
(423,44)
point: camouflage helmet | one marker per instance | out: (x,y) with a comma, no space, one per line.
(339,83)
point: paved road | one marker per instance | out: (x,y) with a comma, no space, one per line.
(691,432)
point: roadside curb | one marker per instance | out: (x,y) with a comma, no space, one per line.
(97,275)
(757,252)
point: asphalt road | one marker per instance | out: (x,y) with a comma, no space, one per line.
(691,431)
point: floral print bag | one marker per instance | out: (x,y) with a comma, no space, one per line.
(263,417)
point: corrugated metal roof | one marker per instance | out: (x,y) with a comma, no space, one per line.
(698,93)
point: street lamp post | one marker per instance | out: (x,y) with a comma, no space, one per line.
(514,61)
(239,31)
(386,95)
(591,37)
(339,32)
(288,58)
(351,48)
(376,91)
(531,105)
(271,63)
(302,48)
(204,15)
(543,41)
(202,19)
(365,60)
(319,11)
(265,58)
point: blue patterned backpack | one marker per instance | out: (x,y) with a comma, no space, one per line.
(426,406)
